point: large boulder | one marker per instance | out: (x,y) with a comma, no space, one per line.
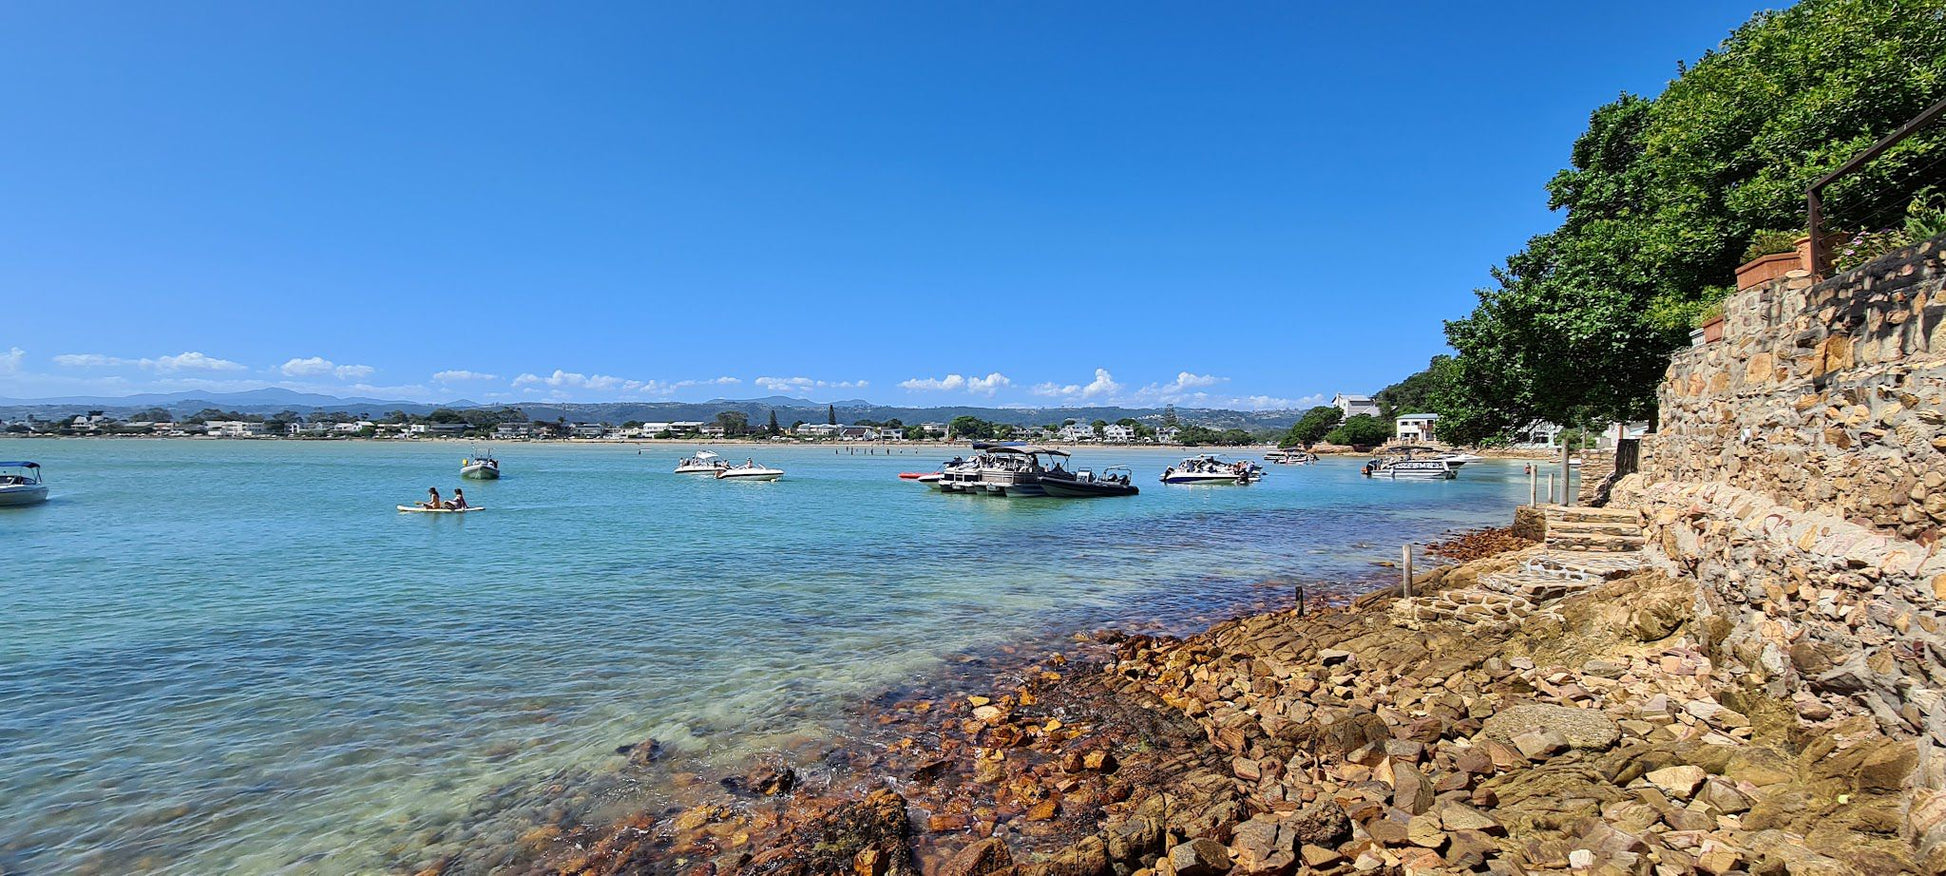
(1583,728)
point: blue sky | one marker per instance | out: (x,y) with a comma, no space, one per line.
(1243,204)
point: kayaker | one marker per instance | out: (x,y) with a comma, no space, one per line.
(434,501)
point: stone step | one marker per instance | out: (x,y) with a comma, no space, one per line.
(1612,527)
(1534,588)
(1592,566)
(1586,514)
(1621,543)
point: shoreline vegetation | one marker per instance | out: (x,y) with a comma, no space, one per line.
(1601,733)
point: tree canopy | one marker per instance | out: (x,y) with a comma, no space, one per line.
(1664,194)
(1312,427)
(1363,430)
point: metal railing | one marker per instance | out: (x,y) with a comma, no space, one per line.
(1814,196)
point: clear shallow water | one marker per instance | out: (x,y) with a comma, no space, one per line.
(235,656)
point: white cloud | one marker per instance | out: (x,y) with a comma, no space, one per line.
(10,360)
(1102,386)
(191,361)
(572,380)
(91,360)
(1185,387)
(318,366)
(789,384)
(461,375)
(987,385)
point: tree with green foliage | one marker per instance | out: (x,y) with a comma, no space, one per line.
(734,423)
(1312,427)
(831,415)
(969,427)
(1664,195)
(1169,420)
(773,428)
(1363,430)
(1415,394)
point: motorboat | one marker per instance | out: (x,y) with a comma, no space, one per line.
(1115,480)
(1003,469)
(704,462)
(1291,456)
(1210,468)
(749,470)
(480,467)
(1407,464)
(21,484)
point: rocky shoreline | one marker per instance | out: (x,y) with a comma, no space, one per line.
(1599,732)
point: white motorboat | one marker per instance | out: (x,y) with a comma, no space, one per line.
(1407,464)
(1210,468)
(20,484)
(704,462)
(480,467)
(1291,456)
(750,470)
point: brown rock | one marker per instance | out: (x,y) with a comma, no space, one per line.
(1410,790)
(983,857)
(1322,823)
(1199,857)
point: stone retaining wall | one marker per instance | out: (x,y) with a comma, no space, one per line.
(1822,396)
(1797,475)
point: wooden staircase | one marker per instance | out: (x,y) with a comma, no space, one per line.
(1617,530)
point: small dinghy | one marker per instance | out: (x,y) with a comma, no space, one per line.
(750,470)
(416,509)
(480,467)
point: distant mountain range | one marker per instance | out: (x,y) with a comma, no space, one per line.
(271,400)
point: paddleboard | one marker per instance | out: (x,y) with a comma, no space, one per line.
(419,510)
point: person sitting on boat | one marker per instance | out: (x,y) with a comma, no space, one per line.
(459,500)
(434,501)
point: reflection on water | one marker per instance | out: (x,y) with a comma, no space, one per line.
(236,655)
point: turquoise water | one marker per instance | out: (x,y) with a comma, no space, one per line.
(236,656)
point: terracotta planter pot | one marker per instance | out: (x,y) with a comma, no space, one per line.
(1713,330)
(1766,268)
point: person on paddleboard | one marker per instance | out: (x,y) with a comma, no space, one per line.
(434,501)
(459,500)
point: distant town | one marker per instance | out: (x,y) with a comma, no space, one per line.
(1349,421)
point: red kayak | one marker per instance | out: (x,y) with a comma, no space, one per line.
(914,475)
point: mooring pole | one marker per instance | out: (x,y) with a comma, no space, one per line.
(1567,482)
(1405,568)
(1550,488)
(1533,484)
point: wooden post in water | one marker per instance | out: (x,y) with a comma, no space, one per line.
(1567,482)
(1550,488)
(1405,569)
(1533,485)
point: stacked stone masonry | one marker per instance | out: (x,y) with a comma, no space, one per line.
(1824,395)
(1798,476)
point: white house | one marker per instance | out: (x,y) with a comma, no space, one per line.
(1117,433)
(1167,434)
(818,430)
(1354,405)
(352,428)
(299,430)
(856,433)
(891,433)
(234,428)
(1416,428)
(1536,435)
(1073,432)
(650,430)
(934,430)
